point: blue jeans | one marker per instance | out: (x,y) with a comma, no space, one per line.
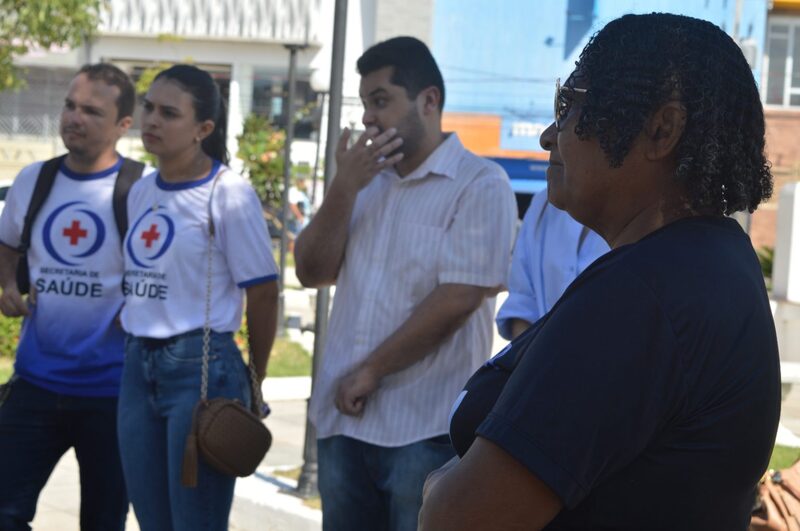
(36,428)
(160,387)
(375,488)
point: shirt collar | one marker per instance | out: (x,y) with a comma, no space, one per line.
(443,161)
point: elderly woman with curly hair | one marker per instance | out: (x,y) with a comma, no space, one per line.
(649,396)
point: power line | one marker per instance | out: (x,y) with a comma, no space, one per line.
(498,75)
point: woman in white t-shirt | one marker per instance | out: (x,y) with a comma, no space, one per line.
(165,287)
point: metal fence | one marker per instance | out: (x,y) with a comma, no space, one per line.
(44,126)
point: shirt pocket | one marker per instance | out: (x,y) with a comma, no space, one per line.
(414,258)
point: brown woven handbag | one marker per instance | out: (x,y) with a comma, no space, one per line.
(228,436)
(778,504)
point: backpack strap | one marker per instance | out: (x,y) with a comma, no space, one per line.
(129,173)
(44,183)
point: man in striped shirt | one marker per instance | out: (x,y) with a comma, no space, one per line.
(416,234)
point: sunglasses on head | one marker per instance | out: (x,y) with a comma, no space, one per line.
(563,101)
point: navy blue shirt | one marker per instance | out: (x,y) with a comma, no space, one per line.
(649,396)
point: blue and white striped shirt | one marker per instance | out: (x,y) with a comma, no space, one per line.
(451,220)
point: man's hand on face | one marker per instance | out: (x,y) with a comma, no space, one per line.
(368,156)
(354,389)
(12,304)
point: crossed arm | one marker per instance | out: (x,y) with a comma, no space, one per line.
(487,490)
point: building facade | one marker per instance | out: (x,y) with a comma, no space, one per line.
(241,42)
(500,64)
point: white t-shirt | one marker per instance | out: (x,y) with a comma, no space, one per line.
(299,198)
(70,343)
(166,259)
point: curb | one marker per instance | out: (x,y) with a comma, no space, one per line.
(262,502)
(286,388)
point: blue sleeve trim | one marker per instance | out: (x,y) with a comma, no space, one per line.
(259,280)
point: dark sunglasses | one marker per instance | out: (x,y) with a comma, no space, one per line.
(563,101)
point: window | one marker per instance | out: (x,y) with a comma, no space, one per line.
(269,92)
(220,73)
(783,62)
(35,111)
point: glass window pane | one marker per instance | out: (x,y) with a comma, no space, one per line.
(778,48)
(778,29)
(794,100)
(796,58)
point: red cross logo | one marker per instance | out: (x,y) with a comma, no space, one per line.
(75,232)
(150,236)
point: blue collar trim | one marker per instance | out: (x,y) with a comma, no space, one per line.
(89,176)
(184,185)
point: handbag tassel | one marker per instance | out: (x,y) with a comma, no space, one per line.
(190,464)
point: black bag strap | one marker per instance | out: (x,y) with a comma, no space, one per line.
(129,173)
(44,183)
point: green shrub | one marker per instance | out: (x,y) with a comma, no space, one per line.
(783,457)
(261,151)
(766,257)
(9,335)
(287,358)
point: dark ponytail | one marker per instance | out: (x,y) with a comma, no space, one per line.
(208,105)
(215,145)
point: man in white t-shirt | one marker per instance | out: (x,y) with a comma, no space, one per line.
(299,205)
(416,233)
(299,209)
(69,359)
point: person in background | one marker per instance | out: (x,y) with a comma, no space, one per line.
(649,396)
(167,288)
(551,251)
(299,209)
(299,205)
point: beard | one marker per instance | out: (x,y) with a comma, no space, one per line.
(412,131)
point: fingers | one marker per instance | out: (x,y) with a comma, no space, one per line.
(354,408)
(10,309)
(390,146)
(344,138)
(348,404)
(368,137)
(12,304)
(390,161)
(773,519)
(6,309)
(384,137)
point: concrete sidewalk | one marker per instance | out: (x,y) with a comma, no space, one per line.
(261,502)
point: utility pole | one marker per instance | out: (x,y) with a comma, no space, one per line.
(287,175)
(743,216)
(307,484)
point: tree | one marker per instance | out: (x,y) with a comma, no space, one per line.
(27,25)
(261,150)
